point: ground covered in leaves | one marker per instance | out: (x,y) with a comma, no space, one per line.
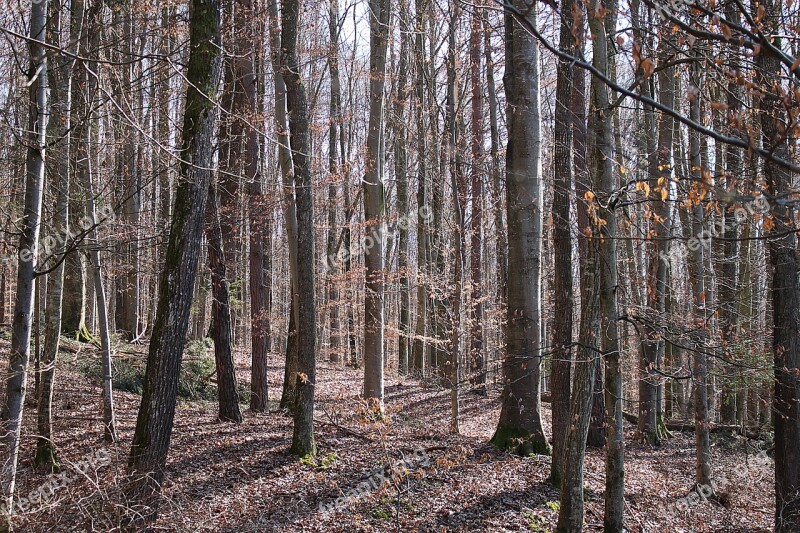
(403,473)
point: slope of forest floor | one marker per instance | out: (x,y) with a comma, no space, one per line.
(226,477)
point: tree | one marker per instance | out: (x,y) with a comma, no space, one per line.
(16,383)
(60,124)
(380,11)
(772,112)
(563,301)
(157,411)
(520,416)
(602,21)
(304,378)
(477,363)
(221,314)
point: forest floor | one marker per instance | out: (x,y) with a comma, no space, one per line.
(226,477)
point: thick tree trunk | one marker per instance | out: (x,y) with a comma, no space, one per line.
(157,411)
(520,416)
(16,383)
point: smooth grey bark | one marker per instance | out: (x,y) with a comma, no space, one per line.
(59,168)
(520,425)
(16,383)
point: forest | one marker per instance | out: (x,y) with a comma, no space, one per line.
(400,265)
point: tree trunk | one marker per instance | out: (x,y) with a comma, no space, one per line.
(374,206)
(157,411)
(59,126)
(785,290)
(418,346)
(660,170)
(289,205)
(305,377)
(520,416)
(16,383)
(401,175)
(601,167)
(221,314)
(697,270)
(563,301)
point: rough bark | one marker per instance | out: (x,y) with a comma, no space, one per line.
(785,289)
(305,377)
(157,411)
(602,21)
(374,205)
(477,363)
(563,301)
(228,397)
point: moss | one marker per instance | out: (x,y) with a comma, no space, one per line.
(84,335)
(520,441)
(661,429)
(46,459)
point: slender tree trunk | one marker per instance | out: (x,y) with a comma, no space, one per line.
(660,170)
(221,314)
(570,516)
(602,22)
(477,363)
(259,217)
(418,347)
(59,126)
(697,269)
(563,301)
(785,289)
(297,108)
(401,175)
(289,206)
(374,205)
(16,383)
